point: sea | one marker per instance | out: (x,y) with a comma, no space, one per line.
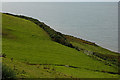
(93,21)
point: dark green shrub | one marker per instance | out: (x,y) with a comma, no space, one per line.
(4,55)
(7,73)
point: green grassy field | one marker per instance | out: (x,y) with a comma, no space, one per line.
(35,55)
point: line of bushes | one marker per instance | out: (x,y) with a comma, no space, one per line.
(108,57)
(65,39)
(55,36)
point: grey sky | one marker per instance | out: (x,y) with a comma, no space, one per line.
(59,0)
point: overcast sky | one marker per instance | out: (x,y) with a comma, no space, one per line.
(59,0)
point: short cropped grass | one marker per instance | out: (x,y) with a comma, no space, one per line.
(25,42)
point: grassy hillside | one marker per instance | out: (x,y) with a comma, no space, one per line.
(86,47)
(32,54)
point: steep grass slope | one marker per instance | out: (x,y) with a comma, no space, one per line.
(86,47)
(27,45)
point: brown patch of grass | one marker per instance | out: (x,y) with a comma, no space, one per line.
(78,40)
(6,33)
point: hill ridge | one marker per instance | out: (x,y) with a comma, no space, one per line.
(34,46)
(67,39)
